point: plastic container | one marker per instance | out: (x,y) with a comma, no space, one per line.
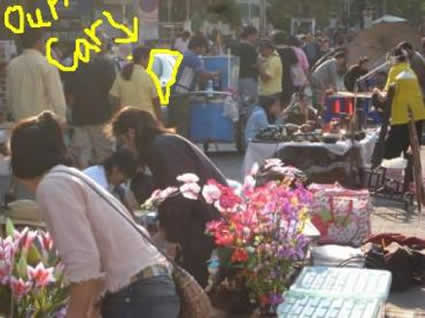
(330,292)
(208,122)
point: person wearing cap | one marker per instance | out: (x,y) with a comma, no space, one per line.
(407,95)
(327,77)
(258,120)
(190,72)
(417,63)
(270,71)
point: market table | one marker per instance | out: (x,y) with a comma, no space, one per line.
(320,161)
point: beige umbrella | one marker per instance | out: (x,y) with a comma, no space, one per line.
(378,40)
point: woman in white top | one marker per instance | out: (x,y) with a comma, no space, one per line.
(103,254)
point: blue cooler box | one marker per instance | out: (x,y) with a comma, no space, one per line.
(208,122)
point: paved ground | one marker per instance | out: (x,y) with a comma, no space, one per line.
(387,217)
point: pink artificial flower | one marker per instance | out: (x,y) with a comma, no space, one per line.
(239,256)
(272,163)
(156,195)
(211,193)
(188,178)
(7,249)
(45,240)
(228,201)
(28,239)
(19,235)
(214,226)
(190,191)
(4,272)
(254,170)
(224,239)
(166,193)
(40,275)
(248,185)
(19,287)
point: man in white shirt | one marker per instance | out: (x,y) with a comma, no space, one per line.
(33,85)
(113,173)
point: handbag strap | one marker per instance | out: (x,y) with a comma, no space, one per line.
(125,216)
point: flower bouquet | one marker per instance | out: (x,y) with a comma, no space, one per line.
(260,235)
(31,276)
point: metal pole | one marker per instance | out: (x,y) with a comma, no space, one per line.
(384,7)
(169,10)
(187,10)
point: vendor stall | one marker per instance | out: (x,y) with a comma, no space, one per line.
(317,159)
(214,110)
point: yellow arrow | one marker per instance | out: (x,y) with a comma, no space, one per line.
(164,97)
(132,37)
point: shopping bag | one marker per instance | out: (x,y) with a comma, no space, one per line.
(341,215)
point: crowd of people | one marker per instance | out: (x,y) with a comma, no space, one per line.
(68,146)
(102,127)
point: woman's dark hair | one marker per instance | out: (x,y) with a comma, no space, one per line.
(139,53)
(37,145)
(400,54)
(293,41)
(249,30)
(146,127)
(363,60)
(122,159)
(31,37)
(197,42)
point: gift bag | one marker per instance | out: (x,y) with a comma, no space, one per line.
(341,215)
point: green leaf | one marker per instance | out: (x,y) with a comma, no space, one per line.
(21,267)
(34,256)
(10,228)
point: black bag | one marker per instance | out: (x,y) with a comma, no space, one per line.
(405,264)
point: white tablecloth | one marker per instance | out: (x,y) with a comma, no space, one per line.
(257,152)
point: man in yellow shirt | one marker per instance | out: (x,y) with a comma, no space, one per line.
(408,94)
(135,87)
(270,69)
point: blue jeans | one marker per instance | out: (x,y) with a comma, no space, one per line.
(147,298)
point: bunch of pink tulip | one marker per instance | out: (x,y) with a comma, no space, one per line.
(31,275)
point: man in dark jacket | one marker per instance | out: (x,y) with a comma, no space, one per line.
(87,90)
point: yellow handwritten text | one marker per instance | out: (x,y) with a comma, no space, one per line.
(91,32)
(164,97)
(40,23)
(83,47)
(8,24)
(132,36)
(52,6)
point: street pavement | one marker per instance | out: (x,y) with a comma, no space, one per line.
(388,217)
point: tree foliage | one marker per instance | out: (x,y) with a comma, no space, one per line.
(281,11)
